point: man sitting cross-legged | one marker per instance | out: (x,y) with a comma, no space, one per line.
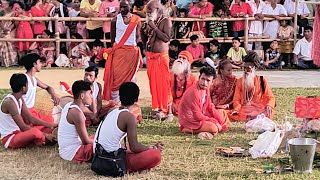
(74,142)
(253,95)
(196,112)
(14,132)
(90,75)
(33,65)
(181,79)
(119,123)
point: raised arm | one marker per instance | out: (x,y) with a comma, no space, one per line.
(164,30)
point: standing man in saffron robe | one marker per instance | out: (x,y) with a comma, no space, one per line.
(181,78)
(124,58)
(199,114)
(253,95)
(157,31)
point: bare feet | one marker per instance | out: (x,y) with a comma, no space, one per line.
(169,118)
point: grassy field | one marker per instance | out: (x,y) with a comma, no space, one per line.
(184,157)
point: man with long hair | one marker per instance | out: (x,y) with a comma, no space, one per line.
(253,95)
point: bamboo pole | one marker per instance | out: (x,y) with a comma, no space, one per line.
(295,26)
(246,31)
(57,35)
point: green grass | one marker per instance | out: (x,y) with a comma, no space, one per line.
(185,156)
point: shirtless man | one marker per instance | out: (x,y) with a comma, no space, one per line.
(156,33)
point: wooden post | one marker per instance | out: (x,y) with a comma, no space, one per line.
(295,26)
(246,31)
(57,35)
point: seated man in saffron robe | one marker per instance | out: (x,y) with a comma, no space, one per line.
(197,113)
(253,95)
(181,78)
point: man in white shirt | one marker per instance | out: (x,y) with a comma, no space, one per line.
(302,51)
(272,10)
(74,142)
(15,133)
(256,26)
(303,12)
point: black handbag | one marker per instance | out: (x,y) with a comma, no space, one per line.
(105,163)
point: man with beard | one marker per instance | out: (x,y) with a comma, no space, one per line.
(157,36)
(253,95)
(124,58)
(199,114)
(181,79)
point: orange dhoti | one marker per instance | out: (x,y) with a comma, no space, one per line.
(250,112)
(208,126)
(159,80)
(121,66)
(258,104)
(47,118)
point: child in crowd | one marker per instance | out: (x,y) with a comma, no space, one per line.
(97,54)
(140,8)
(174,50)
(182,28)
(24,30)
(82,29)
(44,49)
(218,28)
(197,51)
(214,54)
(272,57)
(285,32)
(79,54)
(236,53)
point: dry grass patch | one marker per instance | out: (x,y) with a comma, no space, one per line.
(185,156)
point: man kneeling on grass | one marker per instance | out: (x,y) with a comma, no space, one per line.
(196,112)
(119,123)
(74,142)
(14,132)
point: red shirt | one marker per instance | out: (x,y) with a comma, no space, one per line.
(197,11)
(38,27)
(100,54)
(195,52)
(235,9)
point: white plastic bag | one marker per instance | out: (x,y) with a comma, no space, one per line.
(267,144)
(260,124)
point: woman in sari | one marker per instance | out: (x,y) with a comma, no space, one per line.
(8,52)
(44,49)
(223,86)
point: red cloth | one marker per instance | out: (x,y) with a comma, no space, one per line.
(49,118)
(159,80)
(100,54)
(84,154)
(315,52)
(307,107)
(24,31)
(222,90)
(145,160)
(236,8)
(196,52)
(38,27)
(196,112)
(23,139)
(178,91)
(200,11)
